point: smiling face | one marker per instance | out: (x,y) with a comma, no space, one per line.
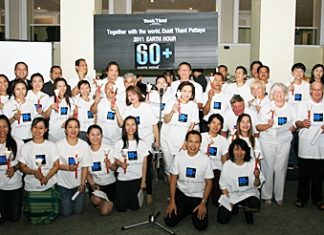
(318,73)
(95,136)
(72,129)
(20,91)
(217,82)
(61,86)
(4,129)
(85,90)
(3,84)
(239,154)
(184,72)
(245,125)
(298,73)
(112,72)
(239,76)
(263,74)
(39,130)
(193,144)
(238,107)
(279,96)
(130,127)
(161,83)
(186,93)
(316,91)
(215,126)
(132,97)
(21,71)
(37,83)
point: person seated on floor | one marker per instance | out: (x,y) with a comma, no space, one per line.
(190,184)
(239,181)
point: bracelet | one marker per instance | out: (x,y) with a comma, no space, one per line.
(204,201)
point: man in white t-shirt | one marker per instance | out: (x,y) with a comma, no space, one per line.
(190,184)
(264,75)
(311,156)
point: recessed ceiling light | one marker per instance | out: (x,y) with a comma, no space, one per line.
(38,8)
(152,1)
(190,8)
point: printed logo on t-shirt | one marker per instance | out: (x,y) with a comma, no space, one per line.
(138,120)
(3,160)
(111,115)
(26,117)
(162,106)
(243,181)
(41,156)
(64,111)
(217,105)
(90,115)
(212,151)
(71,161)
(298,97)
(191,172)
(318,117)
(282,120)
(183,117)
(38,106)
(96,166)
(132,155)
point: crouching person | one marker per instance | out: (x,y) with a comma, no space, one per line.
(190,184)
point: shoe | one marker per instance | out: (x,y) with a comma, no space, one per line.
(280,203)
(299,204)
(249,217)
(149,200)
(320,206)
(267,202)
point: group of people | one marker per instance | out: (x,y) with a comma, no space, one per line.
(221,141)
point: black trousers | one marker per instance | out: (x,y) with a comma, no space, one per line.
(224,215)
(149,174)
(10,205)
(186,205)
(310,181)
(126,195)
(216,192)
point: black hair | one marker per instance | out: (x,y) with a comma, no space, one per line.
(21,62)
(11,144)
(15,83)
(298,66)
(184,63)
(66,95)
(238,132)
(43,120)
(264,66)
(169,73)
(222,66)
(55,67)
(312,74)
(255,62)
(70,120)
(241,67)
(187,83)
(83,82)
(124,133)
(36,75)
(137,91)
(7,79)
(219,74)
(78,61)
(90,128)
(193,132)
(218,117)
(243,145)
(158,77)
(112,63)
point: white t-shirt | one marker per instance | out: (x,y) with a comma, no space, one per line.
(29,153)
(15,181)
(300,93)
(198,90)
(58,118)
(308,147)
(21,130)
(39,99)
(257,102)
(119,84)
(107,120)
(174,132)
(153,98)
(98,169)
(74,83)
(244,91)
(135,155)
(85,116)
(192,172)
(218,104)
(230,120)
(239,180)
(254,151)
(3,100)
(215,148)
(283,115)
(145,118)
(68,155)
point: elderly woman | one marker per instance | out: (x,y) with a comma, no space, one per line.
(258,91)
(275,125)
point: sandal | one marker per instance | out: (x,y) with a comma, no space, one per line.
(299,204)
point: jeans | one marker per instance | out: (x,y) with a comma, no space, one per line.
(67,205)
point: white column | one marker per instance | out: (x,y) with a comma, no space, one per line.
(77,35)
(277,34)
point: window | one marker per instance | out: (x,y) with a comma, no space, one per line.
(2,20)
(45,20)
(105,7)
(244,21)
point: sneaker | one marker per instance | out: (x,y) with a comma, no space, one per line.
(267,202)
(299,203)
(249,217)
(280,203)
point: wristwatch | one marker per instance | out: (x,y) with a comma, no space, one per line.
(204,201)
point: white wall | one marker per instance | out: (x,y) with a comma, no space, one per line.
(76,35)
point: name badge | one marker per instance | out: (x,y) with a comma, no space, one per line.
(183,117)
(41,156)
(191,172)
(243,181)
(298,97)
(96,166)
(26,117)
(132,155)
(282,121)
(64,111)
(90,115)
(318,117)
(111,115)
(212,151)
(217,105)
(3,160)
